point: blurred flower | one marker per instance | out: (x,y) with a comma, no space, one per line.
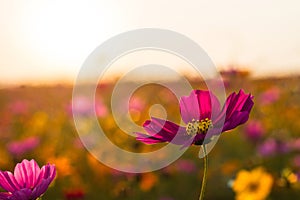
(84,106)
(288,178)
(187,166)
(269,96)
(229,167)
(252,185)
(295,144)
(296,161)
(38,122)
(28,182)
(74,194)
(136,103)
(267,148)
(63,165)
(254,130)
(19,148)
(18,107)
(202,113)
(272,146)
(148,181)
(80,105)
(289,175)
(100,109)
(135,106)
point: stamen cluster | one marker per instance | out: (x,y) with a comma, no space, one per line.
(198,127)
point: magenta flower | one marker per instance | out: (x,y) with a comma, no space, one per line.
(203,116)
(187,166)
(254,130)
(28,182)
(18,148)
(272,147)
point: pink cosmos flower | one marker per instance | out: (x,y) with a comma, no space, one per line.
(83,106)
(18,107)
(136,103)
(269,96)
(254,130)
(18,148)
(272,147)
(28,182)
(203,116)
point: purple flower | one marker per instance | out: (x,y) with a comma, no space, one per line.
(272,146)
(28,182)
(187,166)
(254,130)
(18,148)
(203,116)
(269,147)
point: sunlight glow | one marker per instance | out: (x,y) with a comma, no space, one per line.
(67,31)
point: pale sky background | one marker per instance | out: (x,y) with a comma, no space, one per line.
(43,41)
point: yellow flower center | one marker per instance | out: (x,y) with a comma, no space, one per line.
(253,187)
(198,127)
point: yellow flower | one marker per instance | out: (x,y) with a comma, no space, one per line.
(252,185)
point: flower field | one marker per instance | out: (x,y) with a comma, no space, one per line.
(257,160)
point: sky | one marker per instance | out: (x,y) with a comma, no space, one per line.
(48,41)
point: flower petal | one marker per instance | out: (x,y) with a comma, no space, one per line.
(47,171)
(23,194)
(238,102)
(148,139)
(189,107)
(237,118)
(208,104)
(235,105)
(26,173)
(41,188)
(5,195)
(162,131)
(198,105)
(8,182)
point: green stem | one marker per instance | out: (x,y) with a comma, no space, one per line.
(204,180)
